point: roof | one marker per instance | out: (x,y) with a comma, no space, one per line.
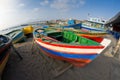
(115,19)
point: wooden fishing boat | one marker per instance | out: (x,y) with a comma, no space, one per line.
(5,49)
(28,30)
(93,26)
(16,35)
(80,30)
(68,46)
(93,35)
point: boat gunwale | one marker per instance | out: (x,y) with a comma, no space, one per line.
(6,45)
(72,45)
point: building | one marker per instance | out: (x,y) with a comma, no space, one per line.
(114,25)
(71,22)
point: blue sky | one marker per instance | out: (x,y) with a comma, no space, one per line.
(14,12)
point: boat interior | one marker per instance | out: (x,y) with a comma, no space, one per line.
(3,40)
(13,33)
(70,37)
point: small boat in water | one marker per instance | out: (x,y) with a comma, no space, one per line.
(28,30)
(67,46)
(16,35)
(5,49)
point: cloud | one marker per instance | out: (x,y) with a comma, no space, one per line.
(63,5)
(60,5)
(7,10)
(66,5)
(82,2)
(11,13)
(21,5)
(44,3)
(5,6)
(15,12)
(36,9)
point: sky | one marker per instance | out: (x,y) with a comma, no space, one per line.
(15,12)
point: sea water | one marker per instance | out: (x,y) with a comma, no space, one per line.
(5,31)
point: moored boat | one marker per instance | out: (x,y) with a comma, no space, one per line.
(65,45)
(5,49)
(93,35)
(16,35)
(93,26)
(28,30)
